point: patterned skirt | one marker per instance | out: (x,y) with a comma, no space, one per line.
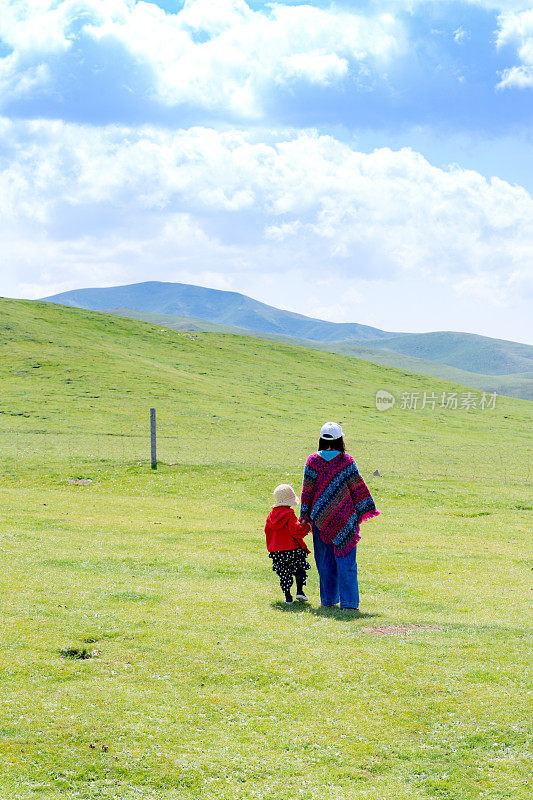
(287,563)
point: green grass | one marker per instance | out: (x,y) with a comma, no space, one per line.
(465,351)
(496,364)
(195,681)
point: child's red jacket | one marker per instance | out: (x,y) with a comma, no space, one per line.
(283,531)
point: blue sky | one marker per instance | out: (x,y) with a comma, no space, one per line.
(363,161)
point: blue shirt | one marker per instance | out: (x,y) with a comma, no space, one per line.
(328,455)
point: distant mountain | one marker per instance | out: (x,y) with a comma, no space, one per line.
(214,305)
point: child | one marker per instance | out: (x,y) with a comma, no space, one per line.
(285,542)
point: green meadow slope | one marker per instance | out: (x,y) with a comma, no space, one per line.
(478,361)
(496,364)
(466,351)
(145,651)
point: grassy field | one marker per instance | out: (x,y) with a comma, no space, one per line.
(194,680)
(508,380)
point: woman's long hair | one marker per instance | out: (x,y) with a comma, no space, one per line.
(332,444)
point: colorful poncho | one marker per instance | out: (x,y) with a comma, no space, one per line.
(336,499)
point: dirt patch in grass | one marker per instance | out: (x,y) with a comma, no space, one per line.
(400,630)
(78,653)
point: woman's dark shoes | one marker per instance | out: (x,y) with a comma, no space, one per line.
(288,597)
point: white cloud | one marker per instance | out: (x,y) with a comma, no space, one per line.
(215,16)
(502,5)
(517,30)
(315,67)
(461,35)
(216,54)
(284,231)
(520,77)
(514,28)
(115,204)
(490,5)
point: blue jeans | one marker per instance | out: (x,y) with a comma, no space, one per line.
(338,574)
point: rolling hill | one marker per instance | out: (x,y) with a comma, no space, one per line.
(466,351)
(519,384)
(477,361)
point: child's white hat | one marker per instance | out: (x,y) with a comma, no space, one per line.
(284,495)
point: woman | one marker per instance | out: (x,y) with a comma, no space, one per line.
(335,500)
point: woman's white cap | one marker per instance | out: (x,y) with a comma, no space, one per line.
(331,430)
(284,495)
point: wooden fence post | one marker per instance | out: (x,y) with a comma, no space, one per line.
(153,442)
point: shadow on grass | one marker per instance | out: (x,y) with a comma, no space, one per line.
(333,612)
